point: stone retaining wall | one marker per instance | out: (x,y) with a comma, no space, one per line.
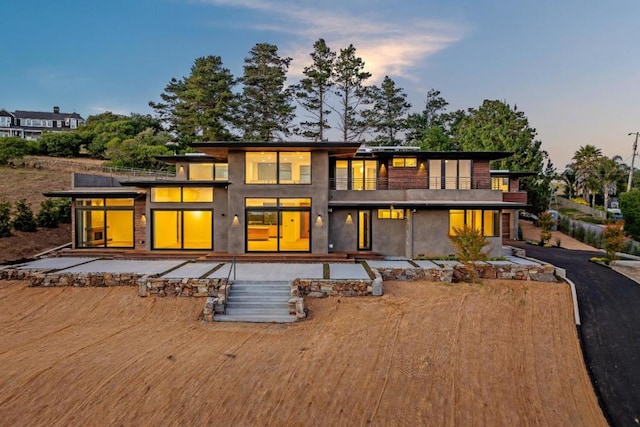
(181,287)
(333,287)
(536,273)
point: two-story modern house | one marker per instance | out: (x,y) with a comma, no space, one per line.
(254,197)
(31,124)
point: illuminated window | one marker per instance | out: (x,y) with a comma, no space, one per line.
(355,175)
(488,221)
(182,229)
(404,162)
(104,223)
(278,225)
(201,172)
(449,174)
(278,168)
(221,171)
(390,213)
(182,194)
(500,183)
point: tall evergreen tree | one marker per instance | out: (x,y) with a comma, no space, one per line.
(266,108)
(387,116)
(352,94)
(200,106)
(314,89)
(431,128)
(495,126)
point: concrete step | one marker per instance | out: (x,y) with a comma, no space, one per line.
(255,318)
(283,305)
(257,310)
(254,295)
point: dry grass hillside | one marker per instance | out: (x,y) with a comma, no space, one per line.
(29,182)
(430,354)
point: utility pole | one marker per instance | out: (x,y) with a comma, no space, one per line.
(633,157)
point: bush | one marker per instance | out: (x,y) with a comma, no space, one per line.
(63,209)
(5,219)
(23,219)
(469,243)
(630,207)
(613,238)
(48,215)
(580,201)
(546,222)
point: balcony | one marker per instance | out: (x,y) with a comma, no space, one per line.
(412,183)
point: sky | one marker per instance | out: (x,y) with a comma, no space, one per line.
(572,66)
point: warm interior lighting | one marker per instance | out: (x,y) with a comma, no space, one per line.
(349,220)
(143,218)
(319,221)
(235,221)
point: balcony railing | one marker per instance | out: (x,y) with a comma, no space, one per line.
(426,183)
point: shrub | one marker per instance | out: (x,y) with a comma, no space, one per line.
(23,219)
(613,238)
(469,243)
(63,209)
(48,215)
(630,207)
(546,222)
(580,201)
(5,219)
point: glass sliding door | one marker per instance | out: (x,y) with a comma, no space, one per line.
(182,229)
(278,225)
(106,223)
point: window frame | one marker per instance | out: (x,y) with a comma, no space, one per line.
(469,215)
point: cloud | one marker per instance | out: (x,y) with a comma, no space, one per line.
(388,47)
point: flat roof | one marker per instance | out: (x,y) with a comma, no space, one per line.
(435,204)
(222,148)
(113,192)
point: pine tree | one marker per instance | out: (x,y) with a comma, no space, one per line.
(266,109)
(5,219)
(352,94)
(388,114)
(200,107)
(313,90)
(23,219)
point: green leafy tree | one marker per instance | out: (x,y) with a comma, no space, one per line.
(101,129)
(630,208)
(313,91)
(201,105)
(15,148)
(266,106)
(613,235)
(388,114)
(61,144)
(496,126)
(431,128)
(5,218)
(352,94)
(610,173)
(569,180)
(23,218)
(140,151)
(48,215)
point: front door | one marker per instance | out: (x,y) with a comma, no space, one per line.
(364,230)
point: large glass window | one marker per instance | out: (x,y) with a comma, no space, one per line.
(182,194)
(500,183)
(450,174)
(278,224)
(404,162)
(104,223)
(182,229)
(485,220)
(278,168)
(355,175)
(391,213)
(201,172)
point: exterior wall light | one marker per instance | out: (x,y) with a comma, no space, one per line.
(143,219)
(236,221)
(349,220)
(319,221)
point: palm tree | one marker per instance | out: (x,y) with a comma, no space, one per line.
(610,172)
(569,179)
(586,163)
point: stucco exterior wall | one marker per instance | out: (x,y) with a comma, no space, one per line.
(388,236)
(342,236)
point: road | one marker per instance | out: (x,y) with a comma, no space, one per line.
(609,306)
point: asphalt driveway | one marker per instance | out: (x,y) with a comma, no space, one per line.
(610,314)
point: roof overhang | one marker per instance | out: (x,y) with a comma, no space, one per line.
(220,150)
(512,174)
(421,204)
(445,155)
(173,183)
(89,192)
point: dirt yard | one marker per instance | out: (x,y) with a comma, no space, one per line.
(500,353)
(531,232)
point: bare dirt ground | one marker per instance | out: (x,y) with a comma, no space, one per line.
(531,232)
(498,353)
